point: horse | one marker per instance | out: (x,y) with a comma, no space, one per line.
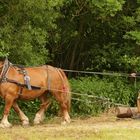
(42,80)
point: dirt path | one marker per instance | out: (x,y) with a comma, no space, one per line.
(95,128)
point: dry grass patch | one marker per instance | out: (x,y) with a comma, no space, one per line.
(96,128)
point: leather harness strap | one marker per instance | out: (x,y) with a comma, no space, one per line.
(3,78)
(5,70)
(21,85)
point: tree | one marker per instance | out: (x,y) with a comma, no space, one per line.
(25,27)
(75,34)
(85,32)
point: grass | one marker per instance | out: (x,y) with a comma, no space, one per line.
(119,134)
(97,128)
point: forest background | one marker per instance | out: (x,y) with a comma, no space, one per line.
(89,35)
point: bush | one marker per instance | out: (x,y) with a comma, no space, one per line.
(105,91)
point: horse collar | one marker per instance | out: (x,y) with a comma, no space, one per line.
(4,71)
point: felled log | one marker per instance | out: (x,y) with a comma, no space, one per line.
(126,112)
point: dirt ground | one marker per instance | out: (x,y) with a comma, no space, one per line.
(104,127)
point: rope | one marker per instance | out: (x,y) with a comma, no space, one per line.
(107,102)
(97,73)
(86,72)
(90,96)
(75,93)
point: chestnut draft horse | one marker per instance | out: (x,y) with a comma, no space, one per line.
(42,79)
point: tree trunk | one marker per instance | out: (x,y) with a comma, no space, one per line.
(78,43)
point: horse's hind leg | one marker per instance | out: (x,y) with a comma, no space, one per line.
(64,106)
(40,115)
(22,116)
(8,104)
(64,109)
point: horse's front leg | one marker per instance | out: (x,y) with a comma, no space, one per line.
(22,116)
(8,103)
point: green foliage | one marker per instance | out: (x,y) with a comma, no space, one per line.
(95,34)
(24,29)
(105,91)
(131,62)
(107,7)
(134,35)
(92,34)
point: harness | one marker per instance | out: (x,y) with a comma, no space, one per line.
(4,71)
(26,78)
(26,84)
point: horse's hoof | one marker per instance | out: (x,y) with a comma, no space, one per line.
(68,121)
(36,122)
(25,123)
(65,122)
(38,119)
(2,125)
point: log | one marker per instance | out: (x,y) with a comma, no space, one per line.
(126,112)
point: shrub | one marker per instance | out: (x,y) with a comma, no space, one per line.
(105,91)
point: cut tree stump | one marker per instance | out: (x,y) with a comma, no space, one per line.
(126,112)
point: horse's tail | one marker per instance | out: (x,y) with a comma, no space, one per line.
(66,88)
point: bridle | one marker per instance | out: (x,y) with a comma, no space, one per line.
(1,69)
(5,68)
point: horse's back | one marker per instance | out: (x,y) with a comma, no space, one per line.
(38,75)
